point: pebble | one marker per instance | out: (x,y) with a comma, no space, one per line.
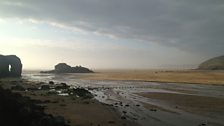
(127,105)
(202,124)
(123,117)
(111,122)
(154,110)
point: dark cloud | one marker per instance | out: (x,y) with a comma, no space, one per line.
(186,24)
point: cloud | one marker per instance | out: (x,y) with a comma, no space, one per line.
(184,24)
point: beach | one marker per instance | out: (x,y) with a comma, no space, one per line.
(122,101)
(77,111)
(163,76)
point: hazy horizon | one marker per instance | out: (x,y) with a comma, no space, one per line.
(112,34)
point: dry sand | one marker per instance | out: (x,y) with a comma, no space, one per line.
(172,76)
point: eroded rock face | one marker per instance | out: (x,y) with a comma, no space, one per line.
(4,66)
(10,66)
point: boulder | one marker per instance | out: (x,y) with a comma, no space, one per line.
(45,87)
(62,86)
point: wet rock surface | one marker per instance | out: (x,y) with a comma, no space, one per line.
(18,88)
(81,92)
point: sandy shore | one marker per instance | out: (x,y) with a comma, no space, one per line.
(166,76)
(131,103)
(211,107)
(77,111)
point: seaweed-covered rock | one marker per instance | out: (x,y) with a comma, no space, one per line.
(17,110)
(62,86)
(81,92)
(45,87)
(18,88)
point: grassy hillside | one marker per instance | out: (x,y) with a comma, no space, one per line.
(216,63)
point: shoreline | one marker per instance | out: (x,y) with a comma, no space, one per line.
(123,104)
(184,77)
(76,110)
(164,82)
(207,77)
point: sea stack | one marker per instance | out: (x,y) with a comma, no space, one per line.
(65,68)
(10,66)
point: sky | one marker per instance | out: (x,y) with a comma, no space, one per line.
(112,34)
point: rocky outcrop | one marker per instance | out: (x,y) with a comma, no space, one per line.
(10,66)
(18,110)
(4,66)
(64,68)
(216,63)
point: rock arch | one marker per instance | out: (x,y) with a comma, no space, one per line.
(11,60)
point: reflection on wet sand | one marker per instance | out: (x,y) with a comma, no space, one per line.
(151,103)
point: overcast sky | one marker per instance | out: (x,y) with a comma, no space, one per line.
(112,34)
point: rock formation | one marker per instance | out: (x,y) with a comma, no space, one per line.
(18,110)
(64,68)
(216,63)
(10,66)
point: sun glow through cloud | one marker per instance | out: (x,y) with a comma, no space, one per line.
(102,37)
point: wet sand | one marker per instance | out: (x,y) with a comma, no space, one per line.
(136,102)
(162,76)
(203,105)
(76,110)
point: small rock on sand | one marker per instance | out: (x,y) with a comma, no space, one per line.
(45,87)
(51,82)
(126,105)
(123,117)
(111,122)
(153,110)
(124,112)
